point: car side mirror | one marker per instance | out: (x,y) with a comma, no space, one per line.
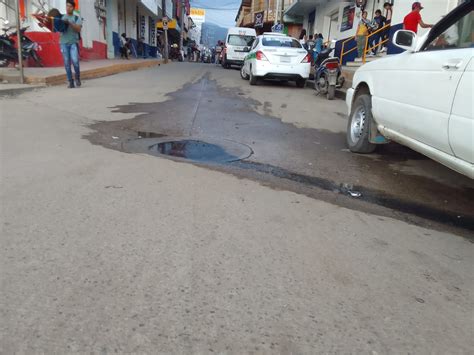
(405,39)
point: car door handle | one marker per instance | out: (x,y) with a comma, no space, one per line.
(448,66)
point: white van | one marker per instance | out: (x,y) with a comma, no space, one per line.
(237,45)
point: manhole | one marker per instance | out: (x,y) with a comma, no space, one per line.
(204,150)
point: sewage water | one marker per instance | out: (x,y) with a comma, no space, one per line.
(195,150)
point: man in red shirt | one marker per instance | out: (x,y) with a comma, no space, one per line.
(413,19)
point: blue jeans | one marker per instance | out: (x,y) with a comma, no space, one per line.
(71,54)
(375,40)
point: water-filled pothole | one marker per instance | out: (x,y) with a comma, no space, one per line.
(197,149)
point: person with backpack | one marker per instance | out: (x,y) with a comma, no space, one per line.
(69,41)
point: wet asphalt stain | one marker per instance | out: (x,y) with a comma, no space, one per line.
(293,158)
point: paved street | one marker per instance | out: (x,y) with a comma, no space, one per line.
(109,247)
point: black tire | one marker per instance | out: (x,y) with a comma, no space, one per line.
(4,62)
(243,75)
(252,78)
(301,83)
(358,125)
(37,59)
(331,92)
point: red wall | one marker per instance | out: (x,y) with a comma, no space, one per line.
(51,54)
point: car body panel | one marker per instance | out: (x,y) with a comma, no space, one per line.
(281,63)
(423,99)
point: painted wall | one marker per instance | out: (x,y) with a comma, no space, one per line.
(433,11)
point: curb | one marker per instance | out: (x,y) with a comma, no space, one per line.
(59,79)
(340,93)
(9,92)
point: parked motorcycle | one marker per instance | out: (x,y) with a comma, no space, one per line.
(8,50)
(328,74)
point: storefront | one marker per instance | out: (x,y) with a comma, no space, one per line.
(338,19)
(103,22)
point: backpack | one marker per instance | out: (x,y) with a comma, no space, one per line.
(79,33)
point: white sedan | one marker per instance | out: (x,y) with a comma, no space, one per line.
(276,56)
(422,98)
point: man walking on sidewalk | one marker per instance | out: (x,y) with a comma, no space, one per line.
(69,41)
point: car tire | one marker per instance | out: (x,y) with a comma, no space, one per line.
(301,83)
(243,74)
(331,92)
(358,126)
(252,78)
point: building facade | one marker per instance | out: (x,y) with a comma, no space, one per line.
(338,19)
(103,23)
(261,15)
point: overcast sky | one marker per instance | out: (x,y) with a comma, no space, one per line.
(220,12)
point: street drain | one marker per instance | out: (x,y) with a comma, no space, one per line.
(198,149)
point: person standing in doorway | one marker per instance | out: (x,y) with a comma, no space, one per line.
(362,33)
(69,40)
(413,19)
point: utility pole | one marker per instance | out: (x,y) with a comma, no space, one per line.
(277,12)
(18,36)
(165,29)
(181,25)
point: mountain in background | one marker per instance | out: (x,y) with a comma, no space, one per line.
(211,33)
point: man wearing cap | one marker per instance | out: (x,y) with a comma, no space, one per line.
(69,41)
(413,19)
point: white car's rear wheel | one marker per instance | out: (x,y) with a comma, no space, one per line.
(243,74)
(358,126)
(252,78)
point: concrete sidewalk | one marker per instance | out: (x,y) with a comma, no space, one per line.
(89,70)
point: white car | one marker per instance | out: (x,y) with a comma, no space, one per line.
(276,56)
(422,98)
(237,43)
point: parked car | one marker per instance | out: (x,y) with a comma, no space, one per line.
(276,56)
(238,38)
(421,98)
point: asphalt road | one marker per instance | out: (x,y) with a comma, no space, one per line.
(108,248)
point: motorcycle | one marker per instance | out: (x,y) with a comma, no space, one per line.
(328,74)
(8,50)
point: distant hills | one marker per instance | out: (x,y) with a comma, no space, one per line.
(211,33)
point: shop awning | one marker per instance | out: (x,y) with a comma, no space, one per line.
(301,7)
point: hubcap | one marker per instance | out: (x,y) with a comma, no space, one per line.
(242,72)
(358,124)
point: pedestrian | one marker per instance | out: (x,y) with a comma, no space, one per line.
(303,38)
(388,7)
(413,19)
(318,45)
(377,23)
(362,33)
(69,41)
(124,46)
(218,52)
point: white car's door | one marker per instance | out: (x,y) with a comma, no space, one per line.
(461,122)
(416,91)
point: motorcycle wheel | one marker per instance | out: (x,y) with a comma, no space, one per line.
(4,63)
(331,92)
(37,59)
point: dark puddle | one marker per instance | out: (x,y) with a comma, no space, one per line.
(366,195)
(194,150)
(300,156)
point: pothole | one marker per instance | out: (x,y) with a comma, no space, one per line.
(198,149)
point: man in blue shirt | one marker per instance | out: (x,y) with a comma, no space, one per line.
(69,40)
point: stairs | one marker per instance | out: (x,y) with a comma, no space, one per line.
(350,68)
